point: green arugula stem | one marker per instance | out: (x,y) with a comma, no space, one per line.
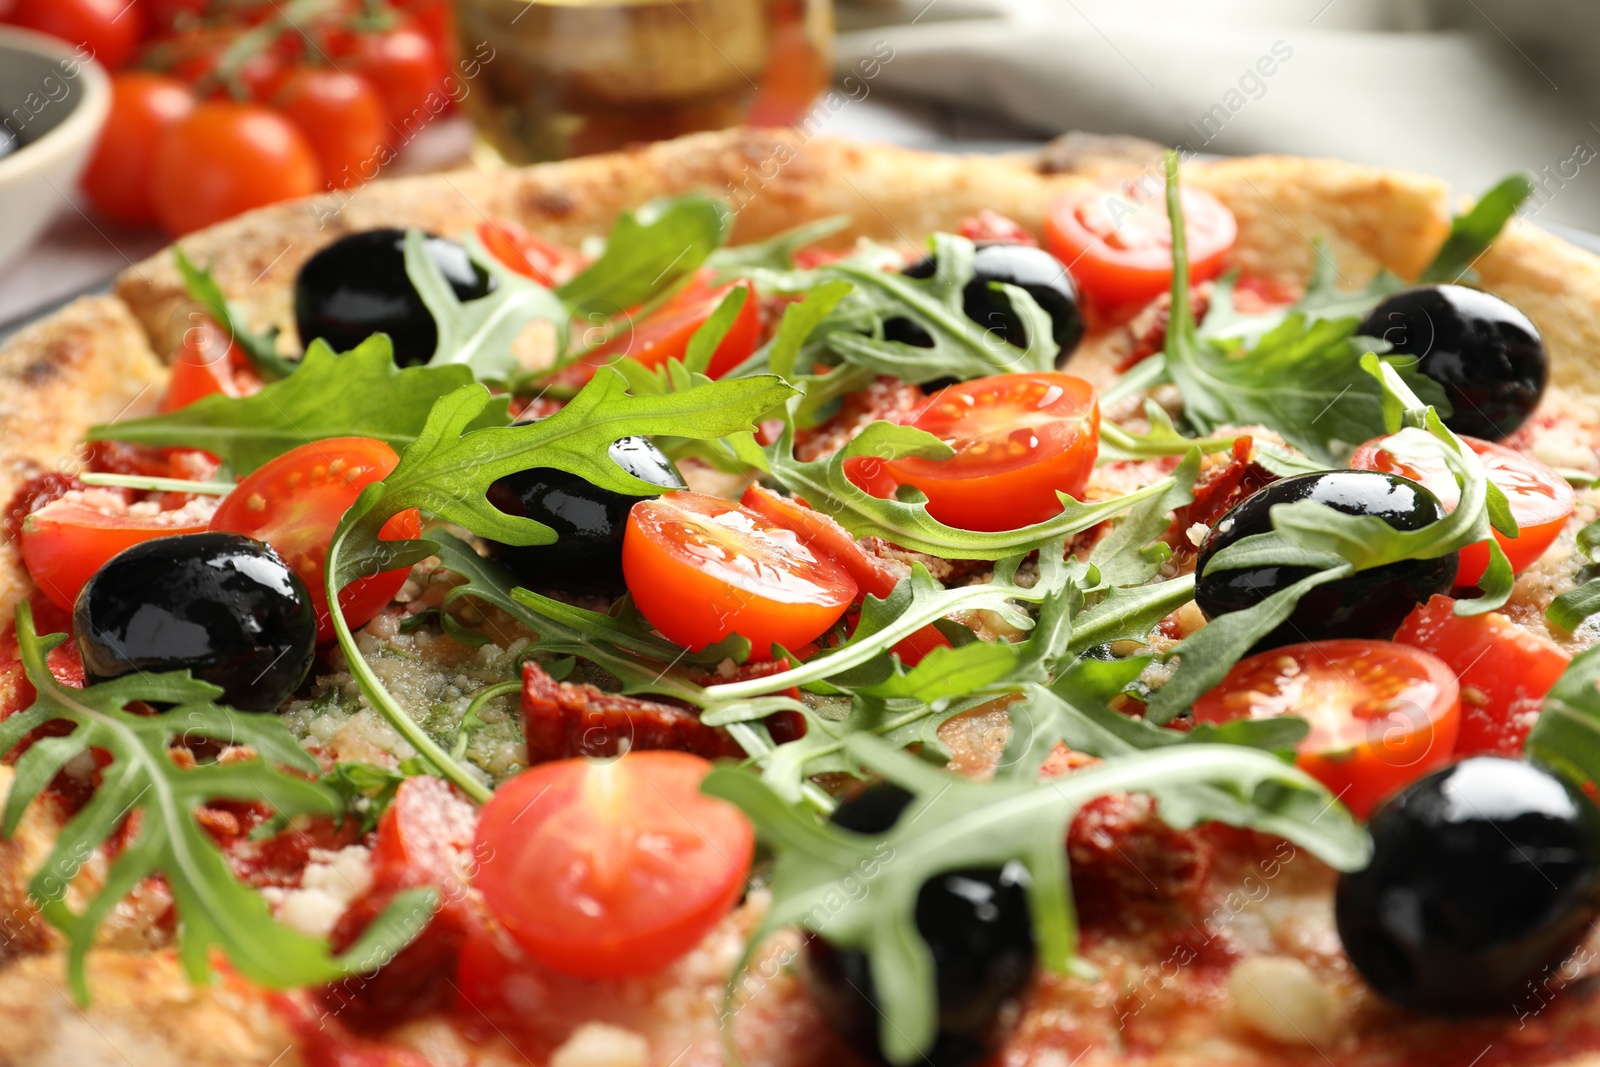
(157,485)
(378,696)
(1138,447)
(1141,377)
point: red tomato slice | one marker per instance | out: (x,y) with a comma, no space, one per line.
(547,263)
(1117,242)
(67,540)
(1541,500)
(701,568)
(1505,672)
(1381,714)
(294,503)
(611,869)
(207,363)
(1019,439)
(666,333)
(823,535)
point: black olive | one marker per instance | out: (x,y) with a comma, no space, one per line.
(1485,353)
(357,287)
(1484,874)
(1034,270)
(220,605)
(1369,604)
(975,923)
(589,521)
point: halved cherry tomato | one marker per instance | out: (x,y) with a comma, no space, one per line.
(611,869)
(67,540)
(206,363)
(1541,500)
(1019,439)
(665,334)
(1381,714)
(294,503)
(820,533)
(1505,672)
(544,261)
(701,568)
(1117,242)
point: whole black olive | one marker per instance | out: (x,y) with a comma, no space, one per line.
(1484,874)
(1485,353)
(589,521)
(357,287)
(1369,604)
(1033,270)
(975,923)
(219,605)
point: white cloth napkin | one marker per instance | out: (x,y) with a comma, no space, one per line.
(1466,89)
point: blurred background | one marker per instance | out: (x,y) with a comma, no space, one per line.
(213,107)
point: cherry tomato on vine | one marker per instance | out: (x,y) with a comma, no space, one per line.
(1505,672)
(545,262)
(166,14)
(1381,714)
(701,568)
(65,542)
(405,67)
(1541,500)
(207,363)
(294,503)
(118,179)
(341,116)
(1018,439)
(666,332)
(110,29)
(609,869)
(873,574)
(1117,244)
(195,57)
(226,158)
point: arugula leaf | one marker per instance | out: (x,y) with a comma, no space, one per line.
(1572,608)
(954,823)
(824,485)
(260,348)
(214,909)
(448,470)
(361,393)
(1566,736)
(776,253)
(1472,233)
(1304,378)
(960,347)
(479,333)
(1323,299)
(648,251)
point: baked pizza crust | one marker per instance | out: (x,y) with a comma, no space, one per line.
(96,361)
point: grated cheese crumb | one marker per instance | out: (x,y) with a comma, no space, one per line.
(330,882)
(601,1045)
(1281,998)
(1196,533)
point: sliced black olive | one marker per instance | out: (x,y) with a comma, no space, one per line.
(1034,270)
(1485,353)
(219,605)
(589,521)
(976,925)
(1484,875)
(358,286)
(1369,604)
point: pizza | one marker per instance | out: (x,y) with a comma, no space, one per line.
(771,600)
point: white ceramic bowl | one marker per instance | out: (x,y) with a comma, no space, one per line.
(55,102)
